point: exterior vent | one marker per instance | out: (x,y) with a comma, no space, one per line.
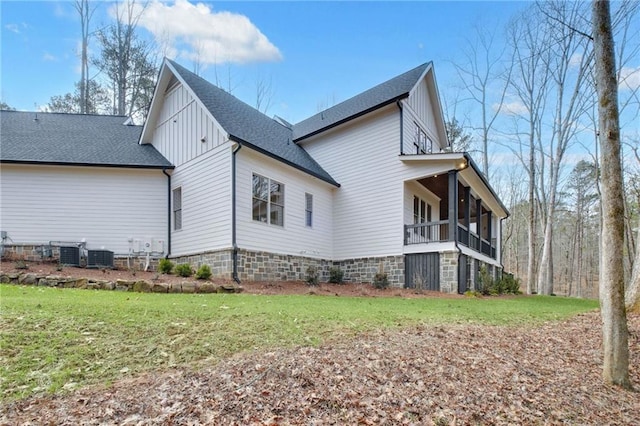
(70,256)
(99,259)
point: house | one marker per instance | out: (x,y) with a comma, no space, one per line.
(365,185)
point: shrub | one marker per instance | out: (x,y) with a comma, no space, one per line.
(485,282)
(21,264)
(183,270)
(203,272)
(312,275)
(510,284)
(165,266)
(380,280)
(336,275)
(507,284)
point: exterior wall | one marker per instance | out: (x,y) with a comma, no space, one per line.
(104,206)
(363,157)
(294,238)
(419,108)
(182,125)
(220,262)
(363,270)
(449,272)
(206,203)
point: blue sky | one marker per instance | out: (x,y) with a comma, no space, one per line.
(315,53)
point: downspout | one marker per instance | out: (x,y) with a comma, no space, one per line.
(233,213)
(168,212)
(399,103)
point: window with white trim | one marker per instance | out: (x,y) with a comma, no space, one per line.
(177,209)
(267,200)
(308,210)
(421,214)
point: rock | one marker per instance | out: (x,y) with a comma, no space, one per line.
(160,288)
(27,279)
(13,278)
(175,288)
(122,284)
(142,286)
(188,287)
(206,287)
(81,282)
(230,288)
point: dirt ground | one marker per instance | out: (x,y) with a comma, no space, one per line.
(253,287)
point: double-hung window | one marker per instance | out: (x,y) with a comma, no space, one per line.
(177,209)
(267,200)
(308,210)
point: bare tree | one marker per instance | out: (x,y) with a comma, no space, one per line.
(483,70)
(614,322)
(264,93)
(86,13)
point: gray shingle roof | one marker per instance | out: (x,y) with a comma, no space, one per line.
(374,98)
(57,138)
(247,125)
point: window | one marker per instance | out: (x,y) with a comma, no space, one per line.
(421,141)
(177,209)
(308,210)
(268,200)
(421,214)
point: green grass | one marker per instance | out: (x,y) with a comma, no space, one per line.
(52,340)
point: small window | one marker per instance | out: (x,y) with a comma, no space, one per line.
(177,209)
(267,200)
(308,210)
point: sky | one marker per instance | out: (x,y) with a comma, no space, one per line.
(314,54)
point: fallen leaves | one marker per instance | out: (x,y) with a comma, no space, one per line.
(442,375)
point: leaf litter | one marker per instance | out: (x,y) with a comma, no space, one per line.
(425,375)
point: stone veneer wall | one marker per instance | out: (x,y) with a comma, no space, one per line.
(449,272)
(29,252)
(265,266)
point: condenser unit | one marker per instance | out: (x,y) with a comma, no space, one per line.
(99,259)
(70,256)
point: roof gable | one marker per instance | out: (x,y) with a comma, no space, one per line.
(248,126)
(74,139)
(383,94)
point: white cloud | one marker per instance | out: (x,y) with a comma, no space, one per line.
(196,32)
(48,57)
(630,78)
(575,60)
(14,28)
(511,108)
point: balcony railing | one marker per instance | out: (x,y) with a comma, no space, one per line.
(437,232)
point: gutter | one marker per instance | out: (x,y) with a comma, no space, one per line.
(399,103)
(233,213)
(164,171)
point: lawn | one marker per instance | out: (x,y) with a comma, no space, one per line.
(53,340)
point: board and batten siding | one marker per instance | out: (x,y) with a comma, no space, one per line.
(418,108)
(184,130)
(104,206)
(206,203)
(294,238)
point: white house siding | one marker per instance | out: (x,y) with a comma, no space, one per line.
(182,125)
(294,238)
(104,206)
(206,203)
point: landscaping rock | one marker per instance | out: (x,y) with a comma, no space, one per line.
(27,279)
(160,288)
(206,287)
(230,288)
(142,286)
(188,287)
(175,288)
(81,282)
(122,284)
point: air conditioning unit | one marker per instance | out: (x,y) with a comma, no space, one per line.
(70,256)
(99,259)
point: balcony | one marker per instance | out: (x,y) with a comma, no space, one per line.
(438,232)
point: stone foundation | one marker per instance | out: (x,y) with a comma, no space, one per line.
(265,266)
(30,252)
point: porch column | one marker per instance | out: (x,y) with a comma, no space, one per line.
(467,211)
(479,223)
(453,205)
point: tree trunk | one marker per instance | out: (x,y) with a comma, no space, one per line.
(632,295)
(615,369)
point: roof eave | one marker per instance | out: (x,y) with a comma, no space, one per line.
(352,117)
(78,164)
(283,160)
